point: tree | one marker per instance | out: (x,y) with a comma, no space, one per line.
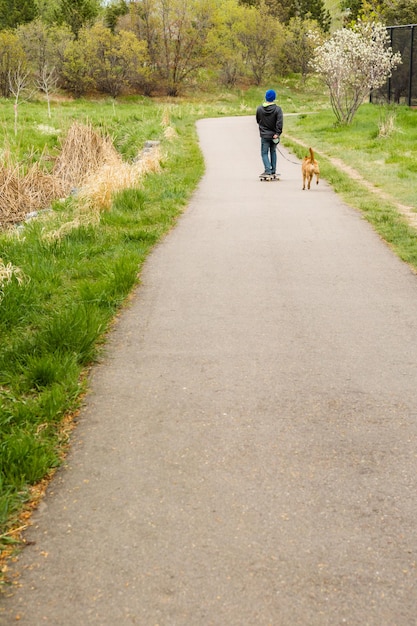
(389,12)
(351,10)
(35,42)
(44,47)
(47,10)
(260,38)
(46,82)
(115,59)
(225,42)
(301,37)
(12,57)
(113,11)
(397,12)
(15,12)
(353,62)
(20,87)
(77,13)
(40,54)
(176,33)
(284,10)
(281,9)
(312,10)
(75,71)
(59,38)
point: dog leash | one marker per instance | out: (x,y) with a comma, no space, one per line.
(283,155)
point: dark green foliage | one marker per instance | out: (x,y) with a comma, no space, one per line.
(77,13)
(113,11)
(284,10)
(400,12)
(352,9)
(312,9)
(391,13)
(15,12)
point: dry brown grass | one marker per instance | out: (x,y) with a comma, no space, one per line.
(386,125)
(83,215)
(24,191)
(83,152)
(7,272)
(98,188)
(87,162)
(169,132)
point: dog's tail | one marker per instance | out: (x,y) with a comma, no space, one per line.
(311,154)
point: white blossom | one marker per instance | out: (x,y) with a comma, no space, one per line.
(352,62)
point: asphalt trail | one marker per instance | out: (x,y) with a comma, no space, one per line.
(247,453)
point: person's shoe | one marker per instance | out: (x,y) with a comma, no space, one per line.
(266,174)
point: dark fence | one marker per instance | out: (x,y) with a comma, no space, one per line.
(401,88)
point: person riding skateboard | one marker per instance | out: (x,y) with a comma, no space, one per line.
(270,120)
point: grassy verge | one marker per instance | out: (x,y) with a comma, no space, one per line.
(380,144)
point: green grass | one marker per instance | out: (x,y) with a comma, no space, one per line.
(388,162)
(53,324)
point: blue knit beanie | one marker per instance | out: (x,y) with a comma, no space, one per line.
(270,95)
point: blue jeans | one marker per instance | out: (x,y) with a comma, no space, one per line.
(269,155)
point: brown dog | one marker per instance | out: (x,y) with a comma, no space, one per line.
(309,167)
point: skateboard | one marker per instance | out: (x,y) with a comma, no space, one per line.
(268,177)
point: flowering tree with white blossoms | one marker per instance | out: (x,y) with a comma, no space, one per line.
(352,63)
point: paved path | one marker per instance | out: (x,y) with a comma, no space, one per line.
(248,452)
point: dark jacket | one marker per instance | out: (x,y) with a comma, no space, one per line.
(270,120)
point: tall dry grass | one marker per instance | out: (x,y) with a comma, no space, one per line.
(98,187)
(7,272)
(22,192)
(87,162)
(83,152)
